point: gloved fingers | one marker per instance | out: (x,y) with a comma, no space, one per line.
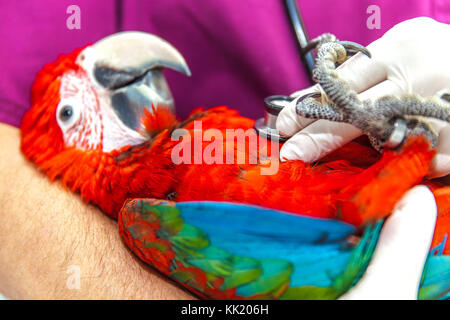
(397,264)
(288,122)
(386,87)
(322,137)
(440,166)
(317,140)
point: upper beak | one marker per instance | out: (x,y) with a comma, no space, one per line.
(125,56)
(128,65)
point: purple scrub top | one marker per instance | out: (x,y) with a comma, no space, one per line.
(238,51)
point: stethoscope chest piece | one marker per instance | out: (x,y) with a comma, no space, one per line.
(266,127)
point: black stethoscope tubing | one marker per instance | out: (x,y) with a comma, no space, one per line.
(299,29)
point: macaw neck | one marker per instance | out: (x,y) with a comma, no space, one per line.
(108,179)
(146,170)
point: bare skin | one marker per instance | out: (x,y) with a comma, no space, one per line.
(45,230)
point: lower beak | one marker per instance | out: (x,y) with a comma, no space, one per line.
(150,90)
(128,65)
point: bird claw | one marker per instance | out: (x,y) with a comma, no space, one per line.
(309,95)
(443,94)
(353,48)
(445,97)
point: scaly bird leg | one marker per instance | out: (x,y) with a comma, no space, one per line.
(384,120)
(310,108)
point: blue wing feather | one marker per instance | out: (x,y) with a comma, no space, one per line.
(316,247)
(260,252)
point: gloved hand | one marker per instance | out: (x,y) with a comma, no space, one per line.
(396,267)
(412,57)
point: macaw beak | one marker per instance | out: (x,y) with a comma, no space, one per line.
(128,66)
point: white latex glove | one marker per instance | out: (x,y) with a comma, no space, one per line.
(396,267)
(412,57)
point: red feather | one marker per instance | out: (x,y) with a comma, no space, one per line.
(352,184)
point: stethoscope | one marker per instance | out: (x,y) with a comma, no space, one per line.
(266,126)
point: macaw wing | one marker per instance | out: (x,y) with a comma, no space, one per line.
(435,282)
(232,251)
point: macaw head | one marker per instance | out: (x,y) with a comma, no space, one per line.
(94,98)
(92,101)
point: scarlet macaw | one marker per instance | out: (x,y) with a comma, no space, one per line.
(102,121)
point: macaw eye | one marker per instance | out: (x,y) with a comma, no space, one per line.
(66,113)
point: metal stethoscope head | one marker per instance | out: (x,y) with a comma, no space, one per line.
(266,127)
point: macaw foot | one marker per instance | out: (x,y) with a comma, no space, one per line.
(388,121)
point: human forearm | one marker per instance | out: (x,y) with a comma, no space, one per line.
(44,230)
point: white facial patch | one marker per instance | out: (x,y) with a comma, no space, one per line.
(82,126)
(86,117)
